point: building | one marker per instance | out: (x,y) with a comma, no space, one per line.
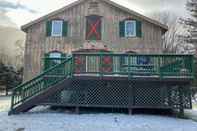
(103,44)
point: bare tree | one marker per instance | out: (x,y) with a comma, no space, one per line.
(19,58)
(171,37)
(174,41)
(191,23)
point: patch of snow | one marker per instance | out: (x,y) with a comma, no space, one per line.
(40,109)
(192,114)
(5,103)
(42,120)
(93,122)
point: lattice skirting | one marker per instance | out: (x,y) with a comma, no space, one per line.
(123,94)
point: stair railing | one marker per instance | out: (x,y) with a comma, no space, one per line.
(48,78)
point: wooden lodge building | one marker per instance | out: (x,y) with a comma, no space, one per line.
(97,53)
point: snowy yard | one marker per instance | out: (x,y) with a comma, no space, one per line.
(88,122)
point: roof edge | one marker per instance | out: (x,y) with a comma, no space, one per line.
(24,27)
(165,27)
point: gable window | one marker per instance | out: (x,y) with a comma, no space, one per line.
(130,28)
(56,28)
(93,27)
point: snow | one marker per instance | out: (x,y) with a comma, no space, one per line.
(41,119)
(192,114)
(4,103)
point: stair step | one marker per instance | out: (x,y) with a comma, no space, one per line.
(32,102)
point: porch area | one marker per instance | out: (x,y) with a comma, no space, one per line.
(108,80)
(127,66)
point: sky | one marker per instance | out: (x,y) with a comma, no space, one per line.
(15,13)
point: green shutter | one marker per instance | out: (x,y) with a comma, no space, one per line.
(48,28)
(46,61)
(64,55)
(122,28)
(139,29)
(65,28)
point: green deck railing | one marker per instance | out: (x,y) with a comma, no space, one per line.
(134,64)
(130,65)
(48,78)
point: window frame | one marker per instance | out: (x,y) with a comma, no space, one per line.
(52,28)
(135,27)
(100,25)
(55,55)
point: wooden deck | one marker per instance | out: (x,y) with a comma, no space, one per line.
(134,77)
(110,80)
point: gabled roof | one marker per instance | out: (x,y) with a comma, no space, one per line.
(165,27)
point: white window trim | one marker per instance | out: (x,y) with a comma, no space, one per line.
(52,31)
(132,21)
(55,55)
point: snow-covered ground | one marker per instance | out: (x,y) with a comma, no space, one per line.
(192,114)
(50,121)
(4,103)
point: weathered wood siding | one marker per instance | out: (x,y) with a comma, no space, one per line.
(37,44)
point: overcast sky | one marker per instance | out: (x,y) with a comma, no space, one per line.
(19,12)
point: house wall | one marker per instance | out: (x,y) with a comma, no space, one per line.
(37,44)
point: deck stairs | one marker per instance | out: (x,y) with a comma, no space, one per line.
(54,79)
(35,91)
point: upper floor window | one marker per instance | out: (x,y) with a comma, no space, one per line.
(57,27)
(93,27)
(130,28)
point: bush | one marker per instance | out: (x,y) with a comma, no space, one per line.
(10,77)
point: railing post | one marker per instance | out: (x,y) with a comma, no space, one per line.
(12,100)
(100,65)
(181,103)
(159,65)
(193,67)
(129,64)
(23,95)
(72,66)
(65,68)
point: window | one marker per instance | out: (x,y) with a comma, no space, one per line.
(93,27)
(57,26)
(56,57)
(143,60)
(130,28)
(53,58)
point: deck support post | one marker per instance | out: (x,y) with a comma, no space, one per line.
(181,108)
(130,110)
(181,112)
(77,110)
